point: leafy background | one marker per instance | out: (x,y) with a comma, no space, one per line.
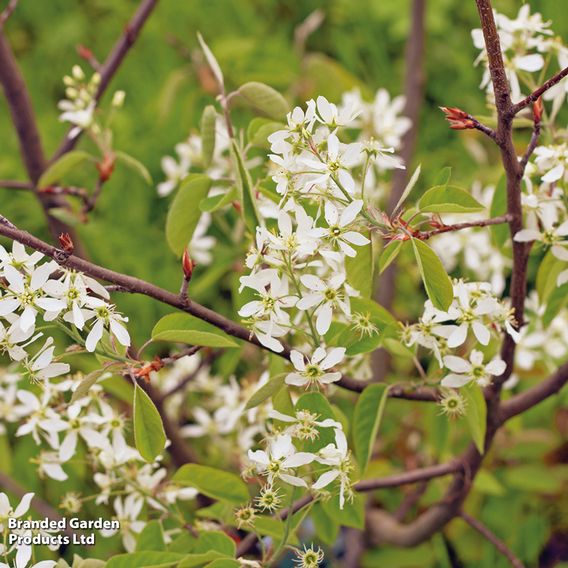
(361,43)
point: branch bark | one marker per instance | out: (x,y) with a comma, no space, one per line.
(533,97)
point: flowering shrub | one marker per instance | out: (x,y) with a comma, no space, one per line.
(244,433)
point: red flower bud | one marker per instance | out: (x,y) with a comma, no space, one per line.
(66,243)
(538,109)
(84,52)
(458,119)
(188,265)
(106,167)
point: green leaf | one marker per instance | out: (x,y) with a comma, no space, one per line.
(444,176)
(448,199)
(325,526)
(266,391)
(217,541)
(135,165)
(389,254)
(61,167)
(476,414)
(246,190)
(212,62)
(556,302)
(151,537)
(409,186)
(223,563)
(185,328)
(215,202)
(547,275)
(436,280)
(149,434)
(499,233)
(360,268)
(369,412)
(352,514)
(86,383)
(142,559)
(194,560)
(265,100)
(208,133)
(214,483)
(260,129)
(184,214)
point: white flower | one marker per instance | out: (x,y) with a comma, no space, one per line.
(49,464)
(330,115)
(25,293)
(327,296)
(280,459)
(274,296)
(339,160)
(475,370)
(336,456)
(176,171)
(549,236)
(19,258)
(201,243)
(303,424)
(315,372)
(127,513)
(7,512)
(105,316)
(339,231)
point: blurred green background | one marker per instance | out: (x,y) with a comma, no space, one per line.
(361,43)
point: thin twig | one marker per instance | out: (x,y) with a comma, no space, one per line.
(14,184)
(8,11)
(424,235)
(496,542)
(536,94)
(531,147)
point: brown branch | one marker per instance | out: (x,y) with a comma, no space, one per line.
(8,11)
(138,286)
(396,480)
(533,396)
(14,184)
(496,542)
(424,235)
(113,62)
(43,508)
(536,94)
(531,146)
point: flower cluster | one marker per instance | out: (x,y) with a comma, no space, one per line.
(475,313)
(526,42)
(284,462)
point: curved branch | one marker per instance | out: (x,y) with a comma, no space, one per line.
(533,97)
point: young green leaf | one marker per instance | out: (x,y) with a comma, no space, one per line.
(212,62)
(215,202)
(143,559)
(444,176)
(476,414)
(260,129)
(409,186)
(63,166)
(369,412)
(208,133)
(266,391)
(264,99)
(246,190)
(214,483)
(360,268)
(448,199)
(547,275)
(149,434)
(389,254)
(185,328)
(183,214)
(86,383)
(135,165)
(436,280)
(151,537)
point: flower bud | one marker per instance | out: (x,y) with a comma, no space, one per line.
(106,167)
(78,73)
(187,265)
(538,109)
(458,119)
(118,99)
(66,243)
(84,52)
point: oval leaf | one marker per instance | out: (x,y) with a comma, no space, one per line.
(212,482)
(149,434)
(476,414)
(367,419)
(184,214)
(436,280)
(185,328)
(264,99)
(266,391)
(448,199)
(65,164)
(246,192)
(208,122)
(212,62)
(135,165)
